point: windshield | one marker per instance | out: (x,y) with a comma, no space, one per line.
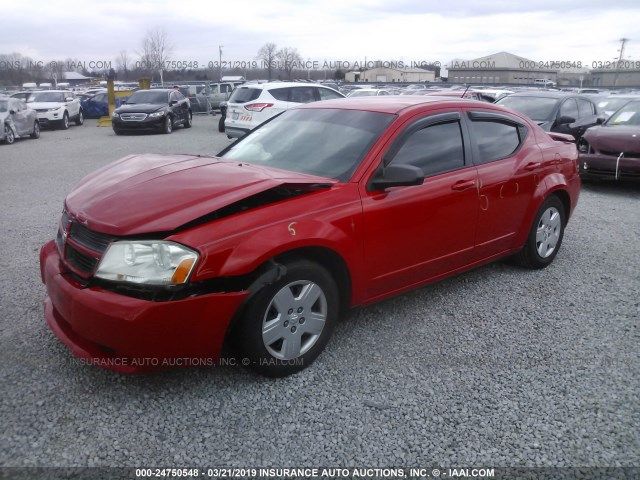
(324,142)
(627,115)
(46,97)
(148,96)
(538,109)
(611,104)
(4,106)
(363,93)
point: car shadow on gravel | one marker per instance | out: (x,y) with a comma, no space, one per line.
(614,187)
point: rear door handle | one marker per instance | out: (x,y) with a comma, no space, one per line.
(532,166)
(463,185)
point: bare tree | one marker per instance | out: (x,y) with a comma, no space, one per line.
(267,54)
(288,57)
(122,62)
(156,50)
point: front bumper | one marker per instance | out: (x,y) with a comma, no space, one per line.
(155,124)
(130,335)
(595,165)
(47,119)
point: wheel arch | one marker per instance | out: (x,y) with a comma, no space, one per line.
(272,270)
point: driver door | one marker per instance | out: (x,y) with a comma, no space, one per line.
(421,232)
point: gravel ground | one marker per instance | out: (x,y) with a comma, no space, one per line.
(497,367)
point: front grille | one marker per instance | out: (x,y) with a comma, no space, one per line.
(95,241)
(42,110)
(80,261)
(133,117)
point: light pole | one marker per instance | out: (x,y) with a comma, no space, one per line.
(220,64)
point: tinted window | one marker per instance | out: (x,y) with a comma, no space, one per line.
(569,109)
(101,97)
(329,143)
(4,106)
(303,94)
(585,107)
(435,149)
(536,108)
(226,88)
(327,94)
(281,94)
(244,95)
(148,96)
(495,139)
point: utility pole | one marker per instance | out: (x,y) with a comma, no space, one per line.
(220,64)
(623,41)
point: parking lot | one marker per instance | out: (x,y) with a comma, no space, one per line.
(500,366)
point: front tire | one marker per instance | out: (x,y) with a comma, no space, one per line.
(9,136)
(546,235)
(64,123)
(36,130)
(189,120)
(168,125)
(80,118)
(288,323)
(221,124)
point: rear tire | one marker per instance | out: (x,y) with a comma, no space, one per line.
(36,130)
(545,237)
(189,120)
(221,124)
(288,323)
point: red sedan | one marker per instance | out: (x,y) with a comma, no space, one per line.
(161,259)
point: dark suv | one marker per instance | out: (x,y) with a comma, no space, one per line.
(555,111)
(155,110)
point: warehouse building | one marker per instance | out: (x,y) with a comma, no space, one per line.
(499,68)
(390,75)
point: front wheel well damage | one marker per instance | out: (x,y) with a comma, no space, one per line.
(273,269)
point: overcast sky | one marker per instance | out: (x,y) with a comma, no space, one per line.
(337,30)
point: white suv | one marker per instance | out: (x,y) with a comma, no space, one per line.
(56,108)
(252,104)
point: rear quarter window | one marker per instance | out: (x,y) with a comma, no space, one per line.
(244,95)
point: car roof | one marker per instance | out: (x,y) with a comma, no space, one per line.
(390,104)
(270,85)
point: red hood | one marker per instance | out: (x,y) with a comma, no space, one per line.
(617,138)
(159,193)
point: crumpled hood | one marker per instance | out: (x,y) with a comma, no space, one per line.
(159,193)
(617,138)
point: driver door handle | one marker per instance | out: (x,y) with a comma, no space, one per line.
(463,185)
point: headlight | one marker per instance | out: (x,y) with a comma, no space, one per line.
(583,146)
(147,262)
(55,109)
(115,114)
(156,114)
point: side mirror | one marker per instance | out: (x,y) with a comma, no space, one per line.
(68,99)
(600,120)
(565,119)
(12,112)
(397,176)
(172,103)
